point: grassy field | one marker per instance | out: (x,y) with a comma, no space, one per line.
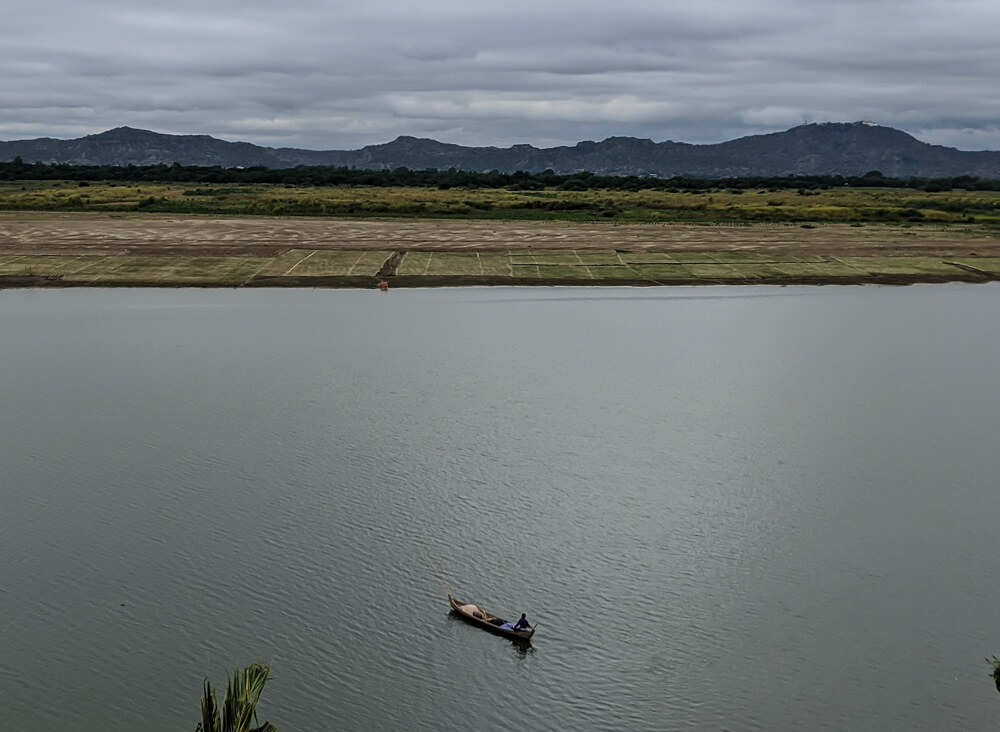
(847,205)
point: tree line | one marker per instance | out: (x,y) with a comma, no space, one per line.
(17,169)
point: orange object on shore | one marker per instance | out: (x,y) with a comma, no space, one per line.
(383,285)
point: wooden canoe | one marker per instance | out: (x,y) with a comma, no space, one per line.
(477,615)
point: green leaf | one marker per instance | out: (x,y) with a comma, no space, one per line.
(239,706)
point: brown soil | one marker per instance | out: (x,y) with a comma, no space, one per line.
(391,265)
(66,233)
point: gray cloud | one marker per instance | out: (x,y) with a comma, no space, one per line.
(344,74)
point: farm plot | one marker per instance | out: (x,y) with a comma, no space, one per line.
(41,265)
(715,270)
(325,263)
(655,272)
(349,267)
(985,264)
(340,264)
(224,271)
(489,264)
(900,265)
(793,269)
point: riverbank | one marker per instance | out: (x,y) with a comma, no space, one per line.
(141,250)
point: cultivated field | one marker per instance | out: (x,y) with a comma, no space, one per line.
(64,249)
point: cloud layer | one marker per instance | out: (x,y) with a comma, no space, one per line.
(339,75)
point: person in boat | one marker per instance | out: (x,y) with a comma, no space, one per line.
(522,624)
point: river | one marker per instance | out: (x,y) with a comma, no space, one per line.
(734,508)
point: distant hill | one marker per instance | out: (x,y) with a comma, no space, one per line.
(813,149)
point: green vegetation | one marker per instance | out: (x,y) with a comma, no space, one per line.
(843,204)
(452,178)
(239,706)
(344,192)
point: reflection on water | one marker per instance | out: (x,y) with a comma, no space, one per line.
(706,500)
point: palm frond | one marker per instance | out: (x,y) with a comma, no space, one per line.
(239,706)
(995,663)
(209,711)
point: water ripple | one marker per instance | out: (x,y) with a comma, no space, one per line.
(681,491)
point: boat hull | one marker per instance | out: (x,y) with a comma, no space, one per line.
(488,621)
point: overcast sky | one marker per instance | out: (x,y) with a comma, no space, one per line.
(328,74)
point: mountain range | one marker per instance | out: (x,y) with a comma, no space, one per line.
(831,148)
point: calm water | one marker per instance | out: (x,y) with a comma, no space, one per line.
(728,508)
